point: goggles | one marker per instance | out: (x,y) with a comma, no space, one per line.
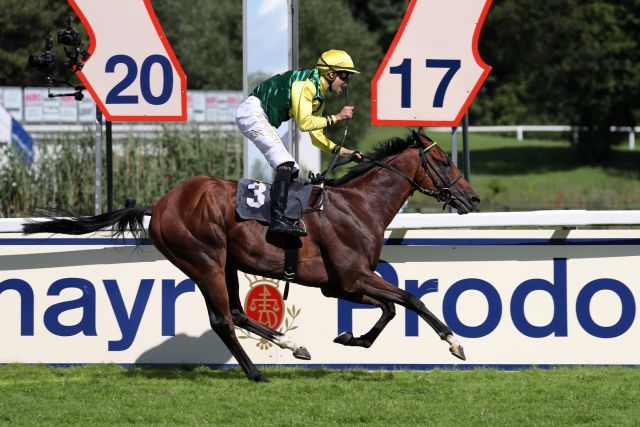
(344,76)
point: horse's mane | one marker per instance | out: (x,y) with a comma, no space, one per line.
(385,149)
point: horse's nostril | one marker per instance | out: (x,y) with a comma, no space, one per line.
(475,201)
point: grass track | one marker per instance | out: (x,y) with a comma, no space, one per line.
(108,394)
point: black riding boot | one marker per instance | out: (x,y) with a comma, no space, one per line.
(279,191)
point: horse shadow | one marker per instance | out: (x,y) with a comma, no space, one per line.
(181,357)
(183,349)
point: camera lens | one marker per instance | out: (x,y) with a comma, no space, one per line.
(67,37)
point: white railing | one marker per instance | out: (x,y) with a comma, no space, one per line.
(122,130)
(554,218)
(148,130)
(519,130)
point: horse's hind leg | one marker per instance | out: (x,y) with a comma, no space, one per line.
(205,266)
(221,321)
(376,287)
(366,340)
(243,321)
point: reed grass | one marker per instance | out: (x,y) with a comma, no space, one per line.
(63,172)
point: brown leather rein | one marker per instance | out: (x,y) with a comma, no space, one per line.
(442,194)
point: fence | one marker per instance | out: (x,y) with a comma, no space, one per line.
(41,131)
(418,221)
(43,116)
(519,130)
(31,105)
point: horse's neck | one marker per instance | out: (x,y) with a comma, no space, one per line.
(383,191)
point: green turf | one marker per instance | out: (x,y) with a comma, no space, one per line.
(535,173)
(112,395)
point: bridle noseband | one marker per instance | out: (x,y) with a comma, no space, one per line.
(442,194)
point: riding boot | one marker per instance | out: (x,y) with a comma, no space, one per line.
(279,192)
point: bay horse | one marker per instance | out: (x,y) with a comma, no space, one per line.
(195,226)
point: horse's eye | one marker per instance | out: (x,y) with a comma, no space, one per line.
(446,163)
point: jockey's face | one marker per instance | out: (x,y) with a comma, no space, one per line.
(336,83)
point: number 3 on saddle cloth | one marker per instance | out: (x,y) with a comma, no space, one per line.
(254,202)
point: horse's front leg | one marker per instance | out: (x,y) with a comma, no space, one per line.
(241,320)
(376,287)
(366,340)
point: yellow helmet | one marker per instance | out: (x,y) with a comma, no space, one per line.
(335,60)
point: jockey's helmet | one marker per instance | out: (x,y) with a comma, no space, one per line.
(335,60)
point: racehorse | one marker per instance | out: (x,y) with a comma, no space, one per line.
(195,226)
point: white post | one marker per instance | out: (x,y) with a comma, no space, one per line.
(632,140)
(98,199)
(292,18)
(454,155)
(245,89)
(519,133)
(266,53)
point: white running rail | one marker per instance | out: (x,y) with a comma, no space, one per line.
(413,221)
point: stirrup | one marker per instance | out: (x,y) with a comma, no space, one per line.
(284,226)
(299,224)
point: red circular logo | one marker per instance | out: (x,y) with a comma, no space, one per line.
(264,304)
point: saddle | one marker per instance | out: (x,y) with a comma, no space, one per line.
(253,200)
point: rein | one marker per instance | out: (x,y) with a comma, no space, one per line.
(335,163)
(443,194)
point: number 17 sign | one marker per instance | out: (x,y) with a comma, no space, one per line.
(432,70)
(132,73)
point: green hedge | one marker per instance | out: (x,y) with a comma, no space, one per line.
(63,174)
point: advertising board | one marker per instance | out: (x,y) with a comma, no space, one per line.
(514,298)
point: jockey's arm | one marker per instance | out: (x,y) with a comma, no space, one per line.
(302,94)
(319,139)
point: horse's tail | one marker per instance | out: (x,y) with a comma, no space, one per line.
(64,222)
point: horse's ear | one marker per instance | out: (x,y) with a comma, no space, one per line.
(422,134)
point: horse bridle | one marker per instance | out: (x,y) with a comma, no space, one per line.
(442,194)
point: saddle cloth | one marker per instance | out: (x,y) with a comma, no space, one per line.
(253,200)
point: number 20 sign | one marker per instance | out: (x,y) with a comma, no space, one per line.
(432,70)
(132,73)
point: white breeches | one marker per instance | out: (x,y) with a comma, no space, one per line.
(253,123)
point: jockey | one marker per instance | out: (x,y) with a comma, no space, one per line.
(299,94)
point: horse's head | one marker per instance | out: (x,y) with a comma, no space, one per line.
(439,177)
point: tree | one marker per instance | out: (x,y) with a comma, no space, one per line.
(207,39)
(563,61)
(320,32)
(205,35)
(23,26)
(382,17)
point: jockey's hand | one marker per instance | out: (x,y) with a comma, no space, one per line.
(346,152)
(346,113)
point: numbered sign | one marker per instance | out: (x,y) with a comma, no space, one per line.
(132,73)
(432,70)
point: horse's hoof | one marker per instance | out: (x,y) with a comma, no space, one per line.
(458,352)
(344,338)
(301,353)
(260,378)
